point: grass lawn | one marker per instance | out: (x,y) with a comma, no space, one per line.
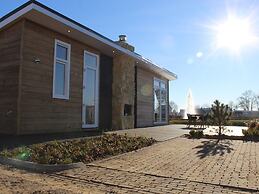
(229,123)
(78,150)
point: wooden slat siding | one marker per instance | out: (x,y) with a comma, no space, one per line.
(40,113)
(167,102)
(105,93)
(10,45)
(136,97)
(145,103)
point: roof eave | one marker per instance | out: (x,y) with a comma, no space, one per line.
(34,5)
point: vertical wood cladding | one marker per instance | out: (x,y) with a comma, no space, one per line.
(145,97)
(136,98)
(105,98)
(10,56)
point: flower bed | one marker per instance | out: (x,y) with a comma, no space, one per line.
(79,150)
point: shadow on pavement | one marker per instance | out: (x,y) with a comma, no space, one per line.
(214,147)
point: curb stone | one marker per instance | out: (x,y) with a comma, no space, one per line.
(35,167)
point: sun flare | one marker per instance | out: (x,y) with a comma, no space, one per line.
(235,33)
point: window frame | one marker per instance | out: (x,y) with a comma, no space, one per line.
(97,69)
(160,88)
(67,64)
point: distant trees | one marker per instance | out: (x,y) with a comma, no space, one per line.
(248,101)
(257,102)
(232,105)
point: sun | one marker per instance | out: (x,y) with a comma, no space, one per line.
(235,33)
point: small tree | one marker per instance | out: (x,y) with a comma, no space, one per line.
(220,114)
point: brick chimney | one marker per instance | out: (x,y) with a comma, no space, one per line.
(123,43)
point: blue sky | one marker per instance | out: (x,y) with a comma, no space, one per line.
(171,33)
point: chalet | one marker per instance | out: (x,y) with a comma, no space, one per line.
(57,75)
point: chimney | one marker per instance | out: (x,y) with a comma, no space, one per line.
(123,43)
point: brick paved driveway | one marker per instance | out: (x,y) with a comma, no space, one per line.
(160,133)
(175,166)
(180,165)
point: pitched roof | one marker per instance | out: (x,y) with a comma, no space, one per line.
(34,5)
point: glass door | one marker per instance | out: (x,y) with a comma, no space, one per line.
(90,90)
(160,101)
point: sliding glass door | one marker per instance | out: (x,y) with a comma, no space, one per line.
(90,90)
(160,101)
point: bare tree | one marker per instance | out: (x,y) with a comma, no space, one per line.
(257,102)
(233,105)
(247,100)
(173,106)
(205,106)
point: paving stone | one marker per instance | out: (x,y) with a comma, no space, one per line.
(175,166)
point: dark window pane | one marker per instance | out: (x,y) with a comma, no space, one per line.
(163,113)
(90,115)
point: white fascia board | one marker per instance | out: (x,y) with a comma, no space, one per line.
(16,15)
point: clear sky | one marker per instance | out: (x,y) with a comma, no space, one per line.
(179,35)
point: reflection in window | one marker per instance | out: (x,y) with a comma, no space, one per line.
(61,52)
(160,101)
(61,70)
(90,96)
(60,79)
(156,101)
(90,91)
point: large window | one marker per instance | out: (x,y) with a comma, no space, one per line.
(61,71)
(160,101)
(90,90)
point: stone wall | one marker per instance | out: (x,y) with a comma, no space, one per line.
(123,90)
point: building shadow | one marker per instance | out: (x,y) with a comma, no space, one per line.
(12,141)
(214,147)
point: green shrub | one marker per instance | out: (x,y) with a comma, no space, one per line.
(196,134)
(79,150)
(237,123)
(252,131)
(179,121)
(252,124)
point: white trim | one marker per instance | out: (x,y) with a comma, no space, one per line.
(97,69)
(160,81)
(16,15)
(165,73)
(67,64)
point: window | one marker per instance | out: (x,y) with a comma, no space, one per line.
(61,72)
(127,109)
(90,110)
(160,101)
